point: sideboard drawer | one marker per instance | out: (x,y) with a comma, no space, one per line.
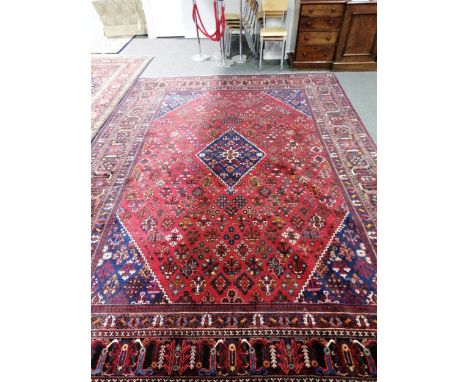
(317,38)
(319,23)
(322,10)
(315,53)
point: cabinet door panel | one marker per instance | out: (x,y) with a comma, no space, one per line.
(358,37)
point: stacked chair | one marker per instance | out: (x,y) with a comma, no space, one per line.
(249,26)
(232,27)
(273,10)
(259,25)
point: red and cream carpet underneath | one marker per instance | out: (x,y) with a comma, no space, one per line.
(111,77)
(234,233)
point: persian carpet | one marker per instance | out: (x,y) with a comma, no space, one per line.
(111,77)
(234,233)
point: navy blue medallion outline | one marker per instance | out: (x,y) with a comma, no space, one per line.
(230,157)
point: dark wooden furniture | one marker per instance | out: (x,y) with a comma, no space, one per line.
(357,46)
(336,34)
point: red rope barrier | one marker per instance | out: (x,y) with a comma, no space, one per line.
(220,23)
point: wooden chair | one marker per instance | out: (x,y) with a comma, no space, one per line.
(273,9)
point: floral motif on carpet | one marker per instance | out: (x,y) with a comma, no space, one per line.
(234,233)
(111,77)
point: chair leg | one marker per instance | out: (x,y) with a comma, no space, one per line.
(261,54)
(282,53)
(225,38)
(255,41)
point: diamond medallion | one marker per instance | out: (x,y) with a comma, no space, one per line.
(230,157)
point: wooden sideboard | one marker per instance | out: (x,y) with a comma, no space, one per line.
(336,34)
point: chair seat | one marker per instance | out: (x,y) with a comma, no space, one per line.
(273,32)
(269,14)
(231,16)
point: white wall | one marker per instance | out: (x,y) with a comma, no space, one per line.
(206,12)
(97,32)
(164,18)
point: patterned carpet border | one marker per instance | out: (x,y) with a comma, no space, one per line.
(111,77)
(226,379)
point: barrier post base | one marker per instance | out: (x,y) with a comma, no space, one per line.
(200,57)
(238,59)
(226,63)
